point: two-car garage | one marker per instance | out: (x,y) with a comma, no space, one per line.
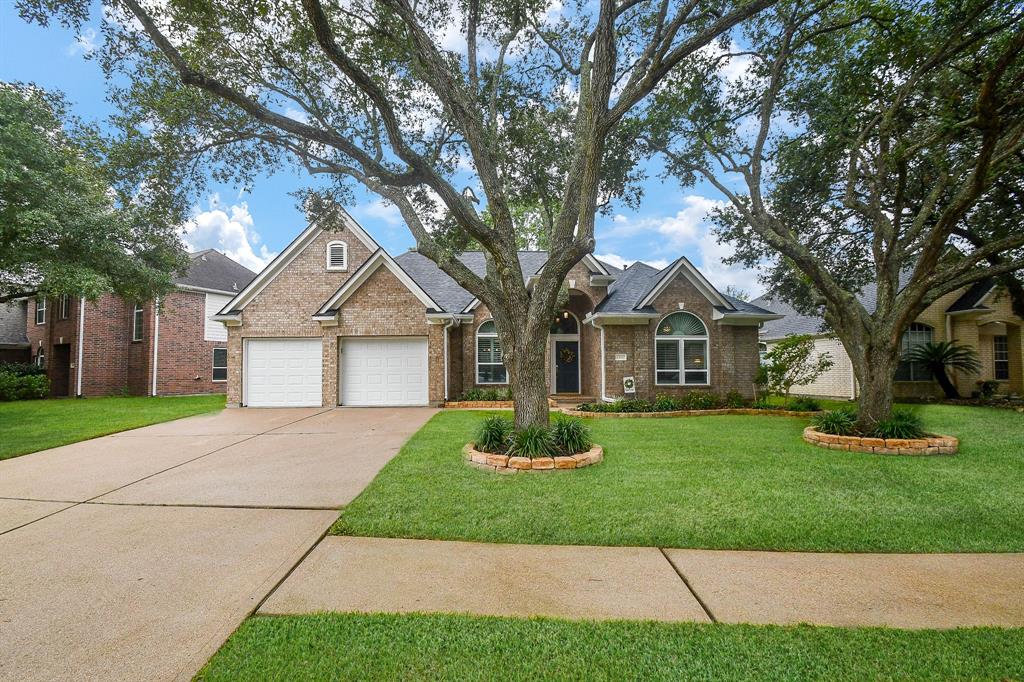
(373,371)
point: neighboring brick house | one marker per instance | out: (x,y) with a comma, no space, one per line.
(979,316)
(13,340)
(336,320)
(111,346)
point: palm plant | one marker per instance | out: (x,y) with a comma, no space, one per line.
(942,355)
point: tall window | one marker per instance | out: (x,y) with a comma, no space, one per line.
(917,334)
(681,351)
(137,323)
(337,256)
(40,311)
(220,364)
(489,367)
(64,306)
(1001,354)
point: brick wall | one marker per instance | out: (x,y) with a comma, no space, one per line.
(185,358)
(286,306)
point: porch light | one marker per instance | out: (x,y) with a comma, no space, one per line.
(565,315)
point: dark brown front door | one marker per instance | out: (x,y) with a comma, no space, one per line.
(60,369)
(567,366)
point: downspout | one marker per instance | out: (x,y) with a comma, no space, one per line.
(449,324)
(156,338)
(81,343)
(604,396)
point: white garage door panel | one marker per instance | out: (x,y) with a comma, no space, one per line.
(283,372)
(378,371)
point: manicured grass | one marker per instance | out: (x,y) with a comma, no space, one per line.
(32,425)
(441,647)
(725,482)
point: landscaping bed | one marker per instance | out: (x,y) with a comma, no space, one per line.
(513,465)
(694,413)
(500,446)
(927,445)
(697,403)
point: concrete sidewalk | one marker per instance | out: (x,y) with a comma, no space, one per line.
(904,591)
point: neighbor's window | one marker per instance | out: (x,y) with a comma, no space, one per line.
(681,351)
(41,358)
(220,364)
(64,306)
(1001,354)
(40,311)
(489,367)
(337,256)
(137,323)
(917,334)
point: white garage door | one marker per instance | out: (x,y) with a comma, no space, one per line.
(381,371)
(283,372)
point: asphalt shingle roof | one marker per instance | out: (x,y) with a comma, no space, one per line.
(12,323)
(211,269)
(972,298)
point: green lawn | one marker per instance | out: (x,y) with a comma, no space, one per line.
(31,425)
(714,482)
(443,647)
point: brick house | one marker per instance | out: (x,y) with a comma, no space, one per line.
(13,340)
(979,316)
(335,319)
(112,346)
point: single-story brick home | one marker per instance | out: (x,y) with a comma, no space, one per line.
(979,316)
(335,319)
(111,346)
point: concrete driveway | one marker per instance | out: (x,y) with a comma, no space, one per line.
(134,556)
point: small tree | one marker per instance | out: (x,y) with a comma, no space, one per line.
(792,362)
(939,356)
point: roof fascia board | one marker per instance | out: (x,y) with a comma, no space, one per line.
(205,290)
(621,318)
(595,265)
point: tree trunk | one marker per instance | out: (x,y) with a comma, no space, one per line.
(947,386)
(528,382)
(875,369)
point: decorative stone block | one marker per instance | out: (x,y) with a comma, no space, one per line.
(510,465)
(479,458)
(873,442)
(519,463)
(497,460)
(543,463)
(565,463)
(930,445)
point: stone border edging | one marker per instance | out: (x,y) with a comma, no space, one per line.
(503,464)
(929,445)
(478,404)
(691,413)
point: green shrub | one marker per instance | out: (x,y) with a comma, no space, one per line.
(571,435)
(533,441)
(493,434)
(22,369)
(841,422)
(734,399)
(900,424)
(631,405)
(762,403)
(699,400)
(665,403)
(988,388)
(23,387)
(489,395)
(804,405)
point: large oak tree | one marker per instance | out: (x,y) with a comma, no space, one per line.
(867,142)
(536,102)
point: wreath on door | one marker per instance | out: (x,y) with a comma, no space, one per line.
(567,356)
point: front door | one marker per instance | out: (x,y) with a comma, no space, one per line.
(60,370)
(567,366)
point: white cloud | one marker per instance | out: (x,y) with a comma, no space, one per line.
(687,232)
(296,115)
(84,44)
(229,229)
(381,210)
(620,262)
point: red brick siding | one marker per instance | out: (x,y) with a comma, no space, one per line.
(185,358)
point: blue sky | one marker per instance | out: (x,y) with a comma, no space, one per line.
(253,226)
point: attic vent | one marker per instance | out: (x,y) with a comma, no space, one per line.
(203,257)
(234,286)
(337,256)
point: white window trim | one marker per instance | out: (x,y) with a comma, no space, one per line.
(64,307)
(1000,357)
(41,357)
(476,356)
(681,341)
(552,338)
(41,308)
(136,327)
(909,330)
(213,365)
(344,253)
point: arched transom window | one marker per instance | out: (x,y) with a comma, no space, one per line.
(337,256)
(917,334)
(681,351)
(489,366)
(565,324)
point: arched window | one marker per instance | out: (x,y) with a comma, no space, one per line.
(681,351)
(337,256)
(489,367)
(565,323)
(917,334)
